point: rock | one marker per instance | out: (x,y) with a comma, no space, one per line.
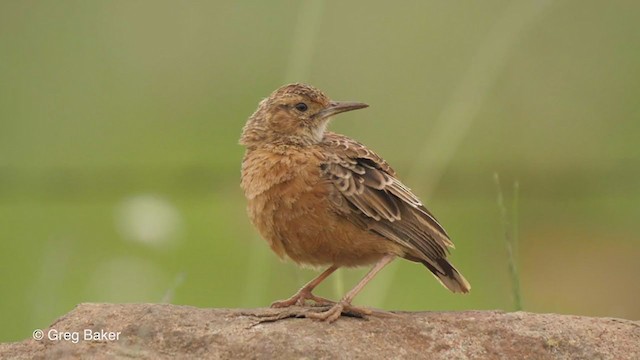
(160,331)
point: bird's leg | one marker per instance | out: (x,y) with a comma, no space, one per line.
(344,305)
(305,292)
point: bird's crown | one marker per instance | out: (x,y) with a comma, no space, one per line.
(302,90)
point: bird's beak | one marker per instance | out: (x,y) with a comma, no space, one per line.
(337,107)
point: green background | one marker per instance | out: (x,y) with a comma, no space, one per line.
(119,162)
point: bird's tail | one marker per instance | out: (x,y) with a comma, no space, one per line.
(447,275)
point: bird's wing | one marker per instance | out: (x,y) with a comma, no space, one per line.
(377,200)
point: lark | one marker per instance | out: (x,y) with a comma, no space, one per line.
(323,199)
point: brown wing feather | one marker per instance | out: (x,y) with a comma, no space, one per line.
(385,206)
(370,186)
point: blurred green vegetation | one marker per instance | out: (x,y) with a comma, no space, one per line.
(119,163)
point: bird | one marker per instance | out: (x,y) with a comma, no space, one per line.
(322,199)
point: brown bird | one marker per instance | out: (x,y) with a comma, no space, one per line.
(323,199)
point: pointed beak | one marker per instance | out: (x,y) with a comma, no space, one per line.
(337,107)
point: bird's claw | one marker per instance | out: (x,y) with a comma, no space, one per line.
(333,313)
(300,298)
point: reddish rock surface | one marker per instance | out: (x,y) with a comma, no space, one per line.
(157,331)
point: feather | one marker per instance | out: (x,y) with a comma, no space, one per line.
(375,197)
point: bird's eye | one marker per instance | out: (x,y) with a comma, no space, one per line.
(301,107)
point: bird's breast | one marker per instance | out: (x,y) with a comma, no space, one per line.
(285,192)
(293,207)
(285,172)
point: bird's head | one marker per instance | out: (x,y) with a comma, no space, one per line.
(295,114)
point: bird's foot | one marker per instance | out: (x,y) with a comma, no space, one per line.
(299,300)
(338,309)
